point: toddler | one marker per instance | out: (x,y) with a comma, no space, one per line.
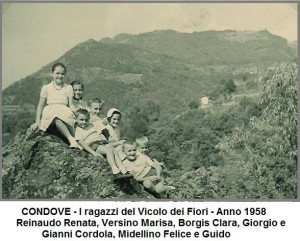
(144,169)
(142,147)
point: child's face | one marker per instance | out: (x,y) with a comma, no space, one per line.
(82,121)
(59,74)
(78,91)
(143,148)
(130,152)
(95,108)
(114,120)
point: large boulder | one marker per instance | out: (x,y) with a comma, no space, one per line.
(37,165)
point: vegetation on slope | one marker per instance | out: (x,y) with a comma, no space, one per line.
(242,145)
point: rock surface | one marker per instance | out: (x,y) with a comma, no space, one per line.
(42,166)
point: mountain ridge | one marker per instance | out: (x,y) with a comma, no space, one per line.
(190,50)
(159,41)
(124,75)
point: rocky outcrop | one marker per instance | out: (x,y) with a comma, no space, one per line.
(42,166)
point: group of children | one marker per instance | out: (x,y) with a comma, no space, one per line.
(61,106)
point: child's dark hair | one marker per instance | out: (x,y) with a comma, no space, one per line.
(58,64)
(77,82)
(128,142)
(82,112)
(95,100)
(111,112)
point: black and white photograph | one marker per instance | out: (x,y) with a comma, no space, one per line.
(146,101)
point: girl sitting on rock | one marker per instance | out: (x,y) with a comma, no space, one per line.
(56,105)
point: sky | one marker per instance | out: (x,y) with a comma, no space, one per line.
(35,34)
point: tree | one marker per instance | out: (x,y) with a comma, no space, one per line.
(229,86)
(194,104)
(261,158)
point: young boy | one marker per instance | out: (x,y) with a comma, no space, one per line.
(143,169)
(142,147)
(96,144)
(95,107)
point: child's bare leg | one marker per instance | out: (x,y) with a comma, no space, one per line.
(148,184)
(63,129)
(119,162)
(161,187)
(110,157)
(71,130)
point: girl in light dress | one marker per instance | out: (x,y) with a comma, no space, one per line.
(56,106)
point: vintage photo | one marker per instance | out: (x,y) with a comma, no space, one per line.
(149,101)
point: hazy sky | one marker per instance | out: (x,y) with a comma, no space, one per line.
(35,34)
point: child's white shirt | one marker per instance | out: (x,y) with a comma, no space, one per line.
(88,135)
(97,123)
(140,167)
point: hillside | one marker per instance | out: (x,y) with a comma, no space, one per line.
(242,150)
(157,80)
(166,69)
(146,58)
(213,47)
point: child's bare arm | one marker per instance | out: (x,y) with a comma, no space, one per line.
(88,148)
(104,121)
(39,111)
(157,167)
(71,104)
(116,143)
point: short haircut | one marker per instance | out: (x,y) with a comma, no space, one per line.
(82,112)
(59,64)
(128,143)
(143,140)
(77,82)
(95,100)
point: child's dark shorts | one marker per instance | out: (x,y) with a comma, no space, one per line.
(152,172)
(94,145)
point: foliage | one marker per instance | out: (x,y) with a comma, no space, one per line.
(15,121)
(260,159)
(243,147)
(229,86)
(194,104)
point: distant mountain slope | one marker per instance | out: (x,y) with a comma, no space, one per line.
(213,47)
(156,79)
(110,71)
(167,67)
